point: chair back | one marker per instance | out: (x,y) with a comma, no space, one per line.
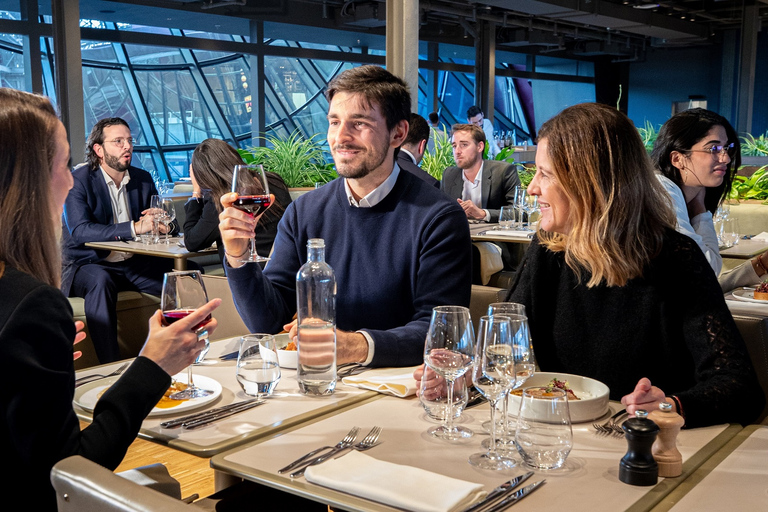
(84,486)
(481,298)
(230,323)
(754,330)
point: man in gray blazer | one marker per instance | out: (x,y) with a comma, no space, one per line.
(480,186)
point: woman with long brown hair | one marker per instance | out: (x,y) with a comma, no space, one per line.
(211,172)
(39,426)
(613,292)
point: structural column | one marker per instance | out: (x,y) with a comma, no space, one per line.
(750,26)
(33,68)
(485,67)
(69,72)
(403,44)
(256,84)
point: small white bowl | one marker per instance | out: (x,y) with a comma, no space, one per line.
(593,395)
(287,358)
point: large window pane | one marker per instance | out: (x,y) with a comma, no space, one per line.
(229,83)
(106,94)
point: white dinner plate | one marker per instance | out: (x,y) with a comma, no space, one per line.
(747,295)
(593,395)
(87,395)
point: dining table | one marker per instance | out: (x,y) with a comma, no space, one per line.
(286,408)
(175,249)
(745,249)
(492,232)
(589,480)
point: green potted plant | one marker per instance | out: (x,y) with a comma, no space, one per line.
(299,160)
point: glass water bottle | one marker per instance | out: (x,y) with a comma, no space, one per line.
(316,307)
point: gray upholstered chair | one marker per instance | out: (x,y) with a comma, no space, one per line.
(481,297)
(230,323)
(754,330)
(84,486)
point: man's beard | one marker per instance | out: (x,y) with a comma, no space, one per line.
(115,163)
(370,162)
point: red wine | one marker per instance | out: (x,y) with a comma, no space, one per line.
(253,204)
(178,314)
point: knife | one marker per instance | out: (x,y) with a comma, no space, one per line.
(191,425)
(515,497)
(179,421)
(231,355)
(497,494)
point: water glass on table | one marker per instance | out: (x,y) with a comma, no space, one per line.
(544,437)
(167,216)
(507,217)
(155,210)
(433,394)
(258,371)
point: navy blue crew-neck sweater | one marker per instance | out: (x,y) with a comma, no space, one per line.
(394,262)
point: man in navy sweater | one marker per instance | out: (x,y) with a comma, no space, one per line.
(398,245)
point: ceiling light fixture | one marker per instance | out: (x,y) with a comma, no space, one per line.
(645,6)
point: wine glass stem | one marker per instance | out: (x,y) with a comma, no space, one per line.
(190,381)
(252,249)
(492,446)
(505,416)
(449,410)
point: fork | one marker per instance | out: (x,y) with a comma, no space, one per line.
(97,376)
(350,370)
(610,427)
(347,441)
(368,442)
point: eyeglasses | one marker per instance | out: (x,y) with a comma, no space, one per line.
(121,142)
(718,151)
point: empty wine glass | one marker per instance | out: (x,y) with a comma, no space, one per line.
(167,217)
(493,374)
(433,395)
(528,204)
(184,292)
(250,184)
(449,350)
(155,210)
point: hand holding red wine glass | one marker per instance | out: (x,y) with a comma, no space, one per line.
(183,293)
(250,184)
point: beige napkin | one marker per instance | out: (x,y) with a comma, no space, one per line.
(390,381)
(400,486)
(762,237)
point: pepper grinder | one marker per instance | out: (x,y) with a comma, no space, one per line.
(665,450)
(638,466)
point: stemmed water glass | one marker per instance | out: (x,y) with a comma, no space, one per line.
(167,216)
(524,358)
(528,204)
(493,375)
(250,184)
(449,351)
(156,211)
(184,292)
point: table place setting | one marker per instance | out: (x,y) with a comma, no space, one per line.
(391,381)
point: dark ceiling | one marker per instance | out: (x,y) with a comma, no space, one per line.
(585,28)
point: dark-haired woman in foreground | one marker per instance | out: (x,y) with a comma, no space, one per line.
(697,153)
(39,426)
(613,292)
(213,162)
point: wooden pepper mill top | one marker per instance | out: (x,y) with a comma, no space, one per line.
(664,449)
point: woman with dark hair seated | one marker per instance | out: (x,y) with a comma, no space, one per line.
(697,153)
(37,331)
(213,162)
(613,292)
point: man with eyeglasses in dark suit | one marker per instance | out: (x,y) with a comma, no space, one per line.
(109,201)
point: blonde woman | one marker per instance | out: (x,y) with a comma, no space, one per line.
(39,426)
(613,292)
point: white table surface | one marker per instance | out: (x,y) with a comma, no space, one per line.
(745,249)
(589,482)
(736,478)
(286,408)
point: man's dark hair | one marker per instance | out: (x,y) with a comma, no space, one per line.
(433,117)
(378,86)
(418,130)
(97,137)
(473,111)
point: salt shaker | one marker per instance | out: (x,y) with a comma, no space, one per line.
(665,450)
(638,466)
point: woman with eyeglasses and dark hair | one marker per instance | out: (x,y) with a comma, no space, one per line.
(697,153)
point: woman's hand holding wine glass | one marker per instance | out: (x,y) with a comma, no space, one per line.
(176,346)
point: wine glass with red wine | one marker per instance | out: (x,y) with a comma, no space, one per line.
(184,292)
(250,184)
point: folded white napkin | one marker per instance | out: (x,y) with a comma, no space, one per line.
(512,233)
(762,237)
(400,486)
(390,381)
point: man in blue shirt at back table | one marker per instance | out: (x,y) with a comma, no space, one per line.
(399,246)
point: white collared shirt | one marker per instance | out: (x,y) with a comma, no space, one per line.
(121,209)
(473,190)
(376,196)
